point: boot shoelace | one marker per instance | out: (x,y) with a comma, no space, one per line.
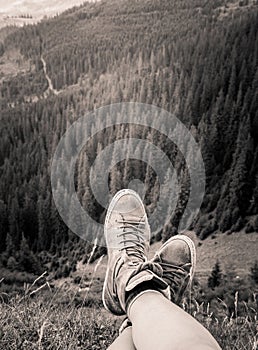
(175,274)
(132,237)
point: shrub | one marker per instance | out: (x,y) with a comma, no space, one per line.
(12,263)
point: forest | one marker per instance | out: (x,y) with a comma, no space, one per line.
(195,59)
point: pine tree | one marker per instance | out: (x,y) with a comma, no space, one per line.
(254,272)
(1,49)
(10,248)
(215,278)
(27,260)
(3,224)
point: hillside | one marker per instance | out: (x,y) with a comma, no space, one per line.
(227,249)
(197,60)
(13,13)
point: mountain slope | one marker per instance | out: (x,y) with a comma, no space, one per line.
(19,13)
(197,60)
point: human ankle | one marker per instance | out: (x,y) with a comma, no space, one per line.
(140,297)
(142,288)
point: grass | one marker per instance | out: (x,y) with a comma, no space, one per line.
(59,319)
(37,324)
(69,315)
(40,324)
(238,249)
(232,333)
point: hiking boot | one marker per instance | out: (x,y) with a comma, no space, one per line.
(127,235)
(177,257)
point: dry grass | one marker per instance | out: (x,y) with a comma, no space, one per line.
(52,320)
(37,324)
(232,333)
(59,317)
(44,317)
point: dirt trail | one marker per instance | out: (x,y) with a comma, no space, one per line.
(50,84)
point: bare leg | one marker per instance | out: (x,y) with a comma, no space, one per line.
(156,322)
(124,341)
(160,324)
(153,315)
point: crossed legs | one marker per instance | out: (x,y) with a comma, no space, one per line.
(148,291)
(159,324)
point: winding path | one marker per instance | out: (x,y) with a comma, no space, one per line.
(50,84)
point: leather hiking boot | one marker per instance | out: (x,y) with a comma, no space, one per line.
(127,235)
(177,257)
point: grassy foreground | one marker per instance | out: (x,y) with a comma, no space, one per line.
(51,322)
(36,324)
(69,315)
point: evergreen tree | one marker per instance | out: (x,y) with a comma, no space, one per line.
(1,49)
(254,272)
(27,260)
(215,278)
